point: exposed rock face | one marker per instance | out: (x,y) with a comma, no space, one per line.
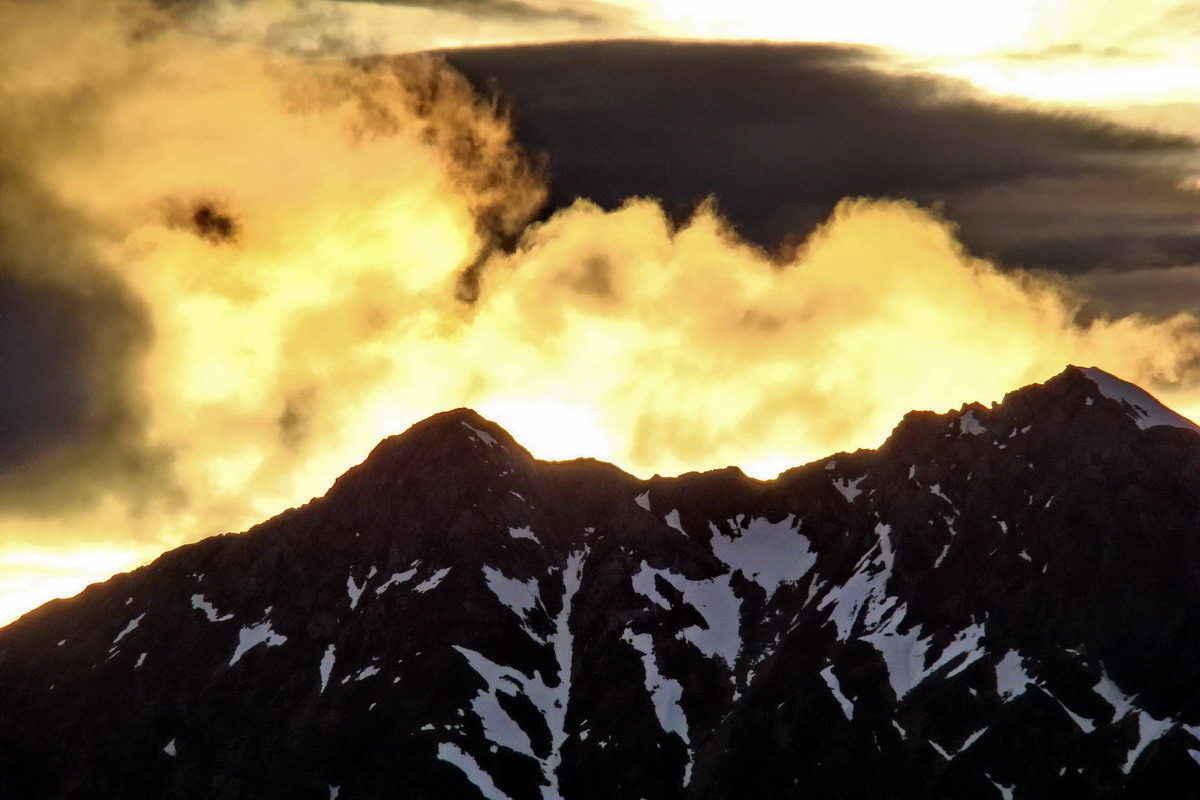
(998,603)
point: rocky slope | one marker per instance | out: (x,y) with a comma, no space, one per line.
(998,603)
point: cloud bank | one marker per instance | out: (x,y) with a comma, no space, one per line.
(228,270)
(781,133)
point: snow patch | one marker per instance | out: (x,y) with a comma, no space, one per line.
(432,581)
(200,604)
(969,425)
(453,754)
(170,749)
(1121,703)
(672,520)
(254,635)
(907,654)
(133,623)
(396,579)
(1150,730)
(720,635)
(327,666)
(768,553)
(643,584)
(974,737)
(1011,677)
(354,591)
(864,596)
(482,436)
(1006,792)
(904,655)
(524,532)
(1144,409)
(520,596)
(643,499)
(141,660)
(665,693)
(550,700)
(555,706)
(966,644)
(366,672)
(866,589)
(885,545)
(835,687)
(1086,725)
(849,489)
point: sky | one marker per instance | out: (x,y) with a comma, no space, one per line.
(242,241)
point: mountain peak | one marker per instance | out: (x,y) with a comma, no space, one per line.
(456,424)
(998,602)
(1143,408)
(458,440)
(1094,399)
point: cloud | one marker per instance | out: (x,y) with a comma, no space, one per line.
(1155,292)
(244,267)
(349,28)
(780,133)
(157,184)
(518,10)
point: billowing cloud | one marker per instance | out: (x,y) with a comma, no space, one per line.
(245,267)
(155,178)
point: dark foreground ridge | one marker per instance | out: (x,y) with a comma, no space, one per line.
(998,603)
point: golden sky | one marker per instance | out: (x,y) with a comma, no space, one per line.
(279,350)
(1104,52)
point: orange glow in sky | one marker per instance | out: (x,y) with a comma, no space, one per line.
(282,356)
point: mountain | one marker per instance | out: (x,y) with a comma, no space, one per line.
(999,602)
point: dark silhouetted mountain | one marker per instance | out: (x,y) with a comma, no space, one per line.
(1000,602)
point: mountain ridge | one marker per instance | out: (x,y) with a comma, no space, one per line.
(456,618)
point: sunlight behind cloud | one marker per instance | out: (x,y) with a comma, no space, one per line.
(923,27)
(33,576)
(1084,80)
(549,429)
(326,252)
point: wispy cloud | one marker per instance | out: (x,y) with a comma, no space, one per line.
(585,13)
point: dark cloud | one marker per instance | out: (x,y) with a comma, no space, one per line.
(780,133)
(71,425)
(1156,292)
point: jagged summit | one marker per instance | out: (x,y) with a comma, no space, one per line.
(999,602)
(1087,386)
(454,424)
(461,434)
(1144,409)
